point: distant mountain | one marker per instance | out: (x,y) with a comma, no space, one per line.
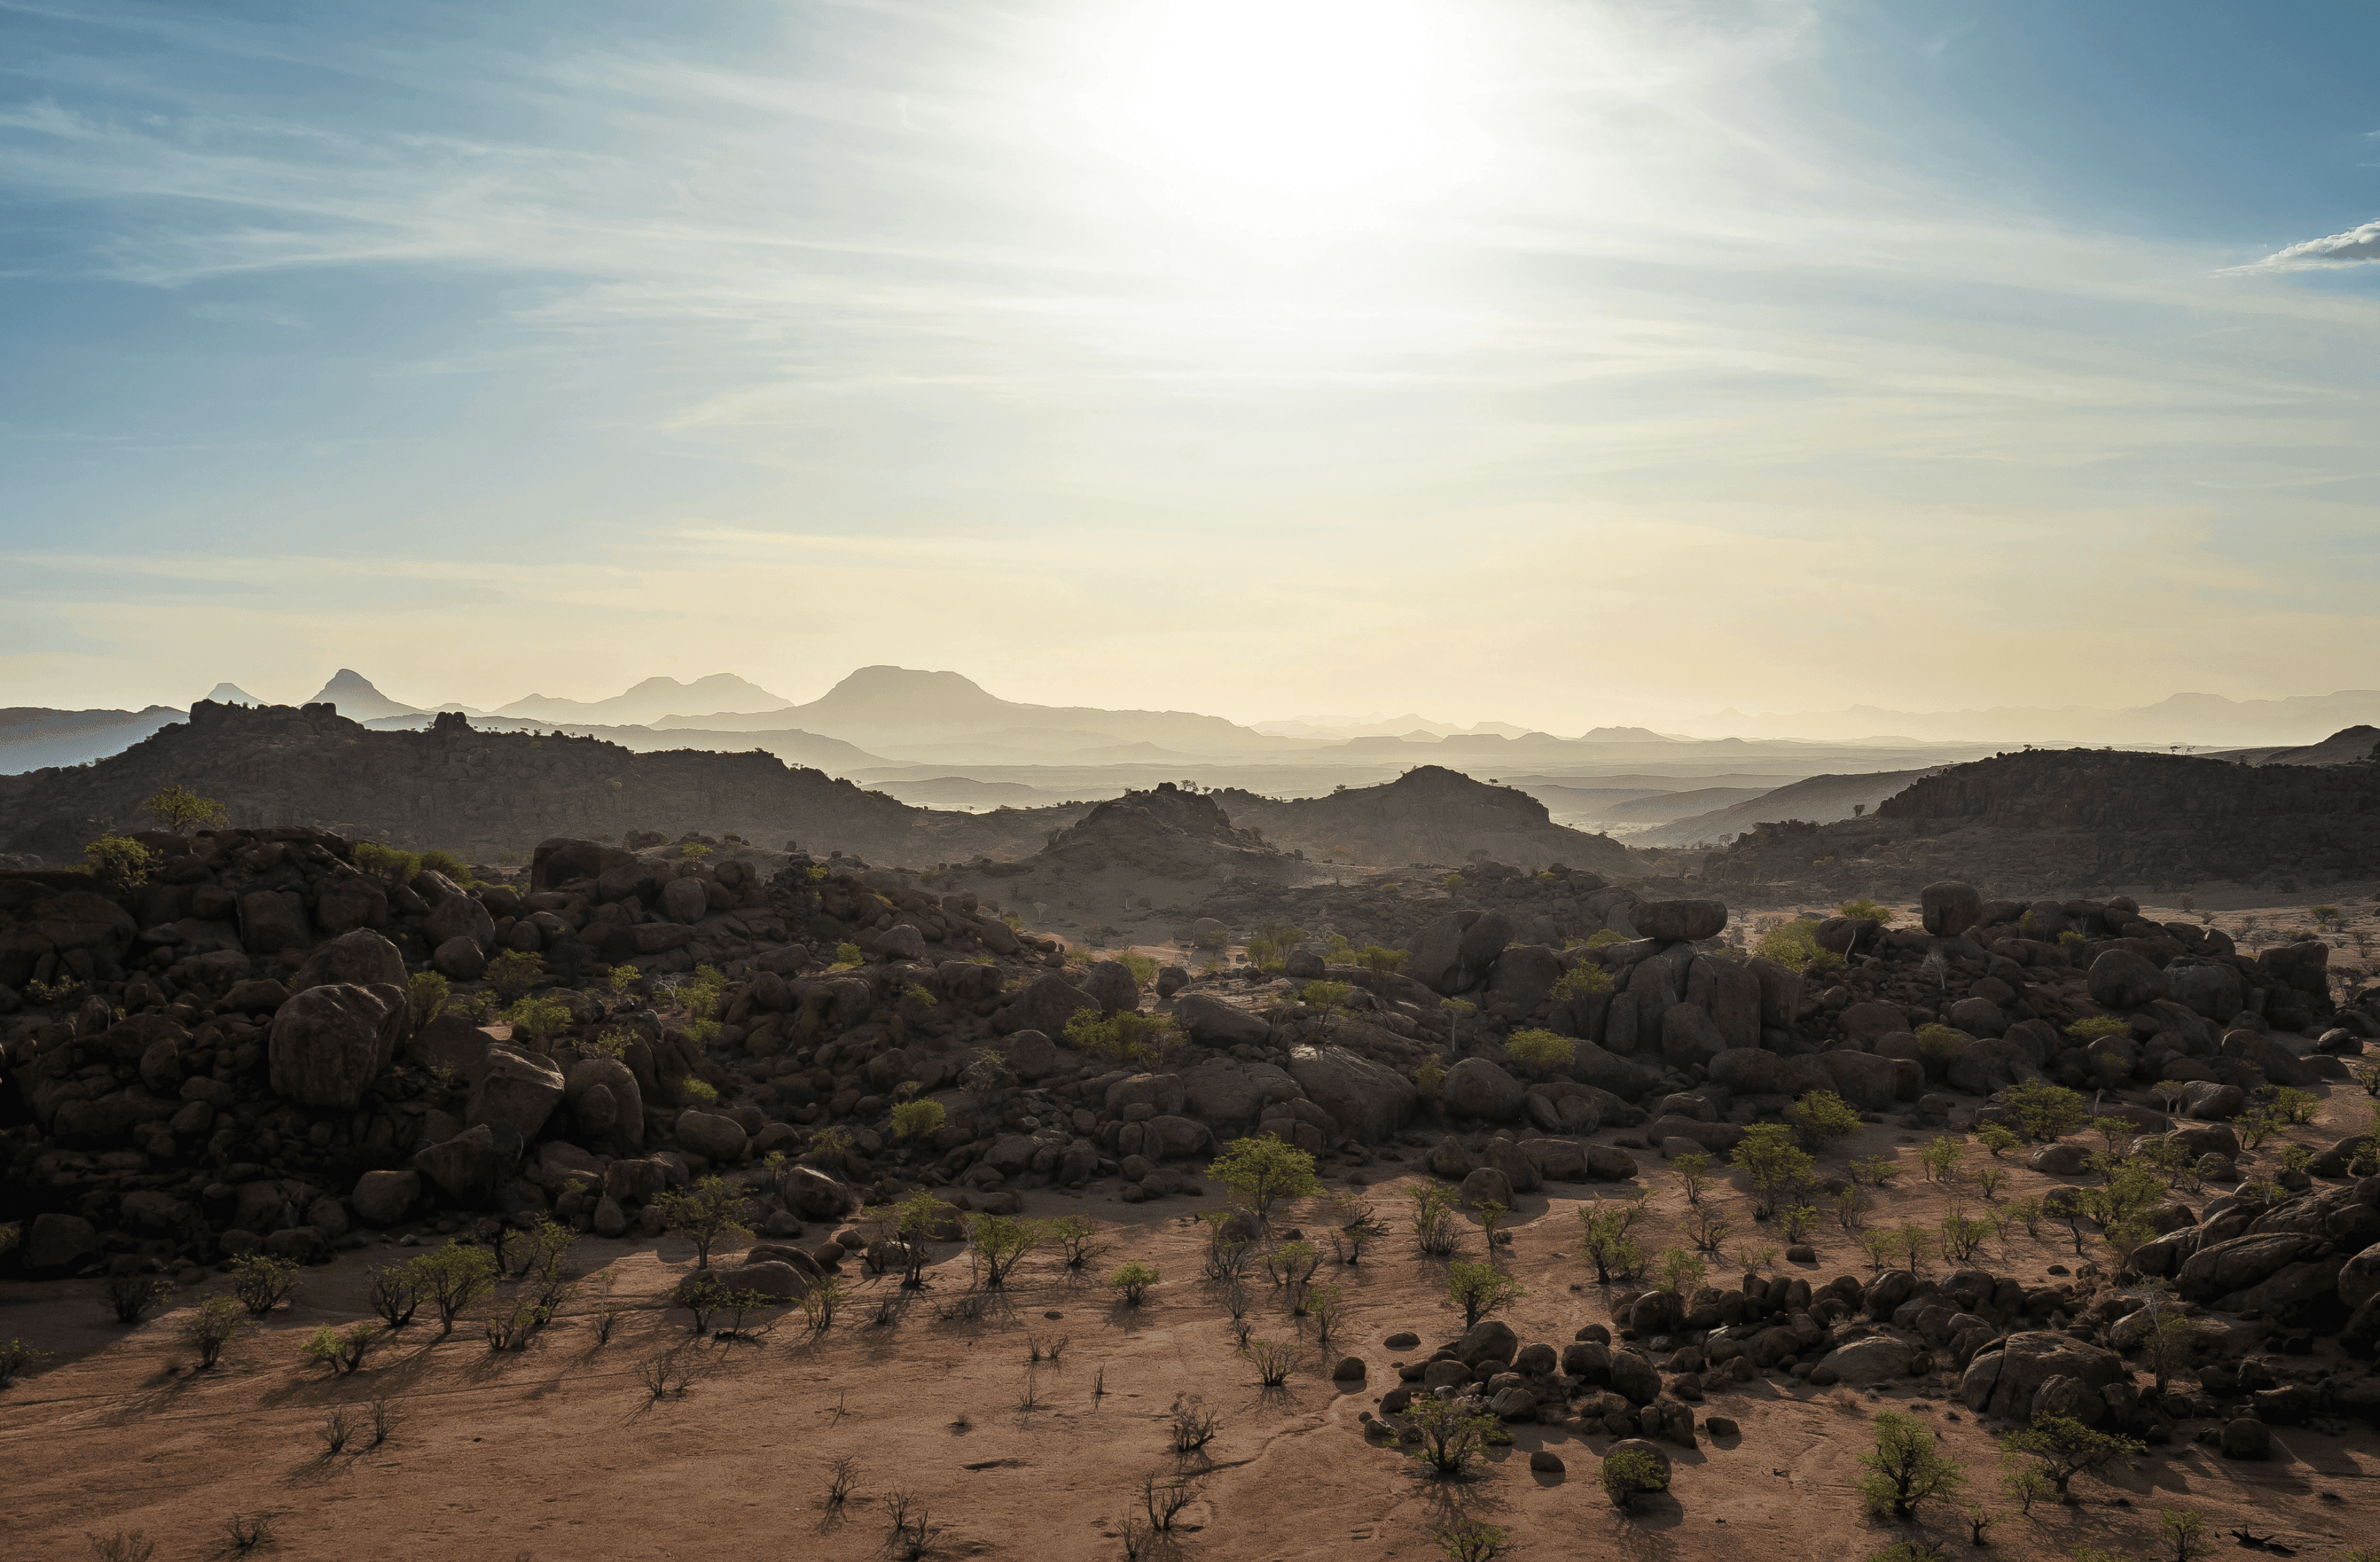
(795,747)
(2347,746)
(944,717)
(232,694)
(33,738)
(649,702)
(357,699)
(2196,720)
(1376,726)
(1820,799)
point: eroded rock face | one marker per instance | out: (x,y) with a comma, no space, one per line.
(1477,1088)
(2005,1382)
(1369,1101)
(1688,920)
(517,1089)
(329,1043)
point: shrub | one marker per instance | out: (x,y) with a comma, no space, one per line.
(1078,1236)
(1130,1282)
(918,1119)
(437,859)
(132,1295)
(119,861)
(2098,1025)
(1480,1288)
(2183,1531)
(1261,1171)
(1604,938)
(704,1214)
(181,811)
(1541,1051)
(1941,1158)
(1693,1172)
(1630,1473)
(1435,1233)
(210,1328)
(1429,1076)
(261,1282)
(1127,1035)
(1904,1467)
(426,993)
(1997,1139)
(2046,1110)
(1777,1165)
(388,861)
(1605,1242)
(514,972)
(343,1352)
(452,1278)
(1822,1117)
(1680,1271)
(16,1359)
(393,1291)
(997,1244)
(1794,945)
(125,1546)
(1938,1047)
(1381,960)
(539,1020)
(1450,1435)
(1584,980)
(1468,1539)
(1864,910)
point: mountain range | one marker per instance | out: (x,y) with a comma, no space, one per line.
(2188,720)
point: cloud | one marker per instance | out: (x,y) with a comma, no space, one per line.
(2357,246)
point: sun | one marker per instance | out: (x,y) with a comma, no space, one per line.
(1300,114)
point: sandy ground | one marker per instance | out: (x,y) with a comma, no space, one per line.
(559,1453)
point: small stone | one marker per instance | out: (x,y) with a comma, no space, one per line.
(1404,1339)
(1545,1461)
(1721,1426)
(1350,1369)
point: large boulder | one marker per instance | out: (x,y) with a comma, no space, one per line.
(1370,1100)
(2120,979)
(1868,1082)
(458,915)
(1591,1064)
(1477,1088)
(2214,990)
(683,902)
(1949,908)
(1873,1360)
(517,1089)
(607,1107)
(1689,1038)
(2221,1268)
(712,1135)
(383,1198)
(2276,1062)
(1989,1065)
(1754,1071)
(2359,1278)
(361,958)
(2005,1382)
(1212,1023)
(1486,1185)
(1687,920)
(271,920)
(814,1195)
(1868,1023)
(59,1242)
(1525,975)
(1453,953)
(1729,994)
(1109,983)
(1230,1095)
(329,1044)
(1047,1003)
(470,1166)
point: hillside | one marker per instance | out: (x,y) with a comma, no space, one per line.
(647,703)
(480,792)
(1429,814)
(2348,746)
(1820,799)
(2074,820)
(31,737)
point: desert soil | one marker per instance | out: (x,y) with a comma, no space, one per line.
(559,1453)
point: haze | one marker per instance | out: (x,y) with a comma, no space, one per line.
(1558,366)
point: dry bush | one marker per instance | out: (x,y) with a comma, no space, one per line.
(125,1546)
(1194,1427)
(130,1296)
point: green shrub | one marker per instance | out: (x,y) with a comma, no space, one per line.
(1603,937)
(1261,1171)
(1381,960)
(427,992)
(1327,995)
(704,1214)
(1777,1165)
(119,861)
(438,861)
(1938,1047)
(1541,1051)
(451,1278)
(1126,1035)
(2046,1110)
(1864,910)
(1143,968)
(696,1091)
(1450,1435)
(1480,1288)
(514,972)
(262,1282)
(1430,1074)
(1680,1271)
(16,1358)
(1630,1473)
(1130,1282)
(918,1119)
(1583,980)
(1821,1116)
(342,1352)
(539,1020)
(2064,1448)
(847,958)
(388,861)
(210,1326)
(1794,945)
(2097,1026)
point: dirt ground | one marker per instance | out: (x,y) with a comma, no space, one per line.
(558,1452)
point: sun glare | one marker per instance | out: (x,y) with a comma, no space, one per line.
(1297,114)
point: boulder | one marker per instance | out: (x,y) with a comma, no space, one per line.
(1487,1186)
(2120,979)
(1525,975)
(2214,990)
(811,1193)
(384,1198)
(683,902)
(459,915)
(1867,1023)
(1109,983)
(1591,1064)
(1867,1082)
(461,958)
(329,1044)
(773,1277)
(1607,1163)
(1873,1360)
(1556,1160)
(2005,1382)
(1689,1038)
(517,1089)
(57,1243)
(1453,953)
(2221,1268)
(471,1166)
(271,920)
(2061,1159)
(1989,1065)
(2359,1278)
(2277,1063)
(1729,994)
(711,1135)
(1679,920)
(2211,1103)
(2244,1437)
(1949,908)
(1477,1088)
(360,958)
(2069,1397)
(607,1108)
(1212,1023)
(1633,1376)
(1047,1003)
(1756,1072)
(1369,1101)
(1030,1054)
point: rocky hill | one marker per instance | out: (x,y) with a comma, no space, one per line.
(32,737)
(478,793)
(2068,821)
(1819,800)
(1428,816)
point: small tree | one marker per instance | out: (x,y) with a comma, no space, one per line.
(1261,1171)
(998,1243)
(1629,1474)
(210,1326)
(1821,1117)
(1680,1271)
(181,811)
(1777,1165)
(1942,1157)
(1605,1242)
(261,1282)
(1480,1288)
(1452,1434)
(1130,1282)
(2046,1110)
(704,1214)
(1693,1171)
(452,1278)
(1904,1467)
(118,861)
(2183,1531)
(2064,1448)
(1468,1539)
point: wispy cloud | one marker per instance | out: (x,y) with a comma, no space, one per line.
(2357,246)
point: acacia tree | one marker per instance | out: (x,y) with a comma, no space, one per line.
(1903,1467)
(2066,1448)
(181,811)
(704,1214)
(1261,1171)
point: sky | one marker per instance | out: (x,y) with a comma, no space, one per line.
(1564,364)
